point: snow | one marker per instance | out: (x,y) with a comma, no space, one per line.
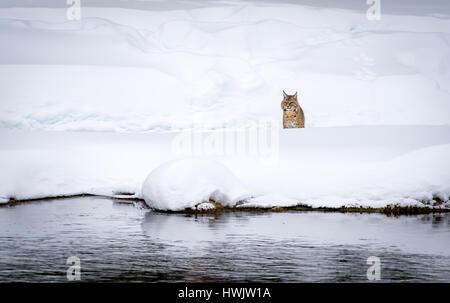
(95,105)
(369,166)
(186,183)
(133,70)
(269,200)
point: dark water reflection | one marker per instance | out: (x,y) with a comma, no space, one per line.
(119,242)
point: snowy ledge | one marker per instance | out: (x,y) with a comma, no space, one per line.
(394,209)
(390,209)
(328,168)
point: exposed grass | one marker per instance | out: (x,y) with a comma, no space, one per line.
(390,210)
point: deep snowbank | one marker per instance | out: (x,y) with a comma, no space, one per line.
(360,166)
(187,183)
(223,64)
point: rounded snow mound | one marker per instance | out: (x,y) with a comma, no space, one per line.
(192,183)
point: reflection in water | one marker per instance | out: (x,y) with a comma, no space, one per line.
(118,242)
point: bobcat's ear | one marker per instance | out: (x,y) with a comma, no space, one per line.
(295,96)
(284,94)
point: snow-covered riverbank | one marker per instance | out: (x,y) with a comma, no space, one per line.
(330,167)
(94,105)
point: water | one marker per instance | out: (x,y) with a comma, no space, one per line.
(123,242)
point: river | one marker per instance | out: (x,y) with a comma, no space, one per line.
(124,242)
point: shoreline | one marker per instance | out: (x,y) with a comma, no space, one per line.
(389,210)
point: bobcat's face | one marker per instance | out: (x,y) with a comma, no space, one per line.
(289,103)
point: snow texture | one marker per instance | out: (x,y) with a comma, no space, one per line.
(368,166)
(169,65)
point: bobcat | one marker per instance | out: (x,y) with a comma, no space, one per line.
(293,116)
